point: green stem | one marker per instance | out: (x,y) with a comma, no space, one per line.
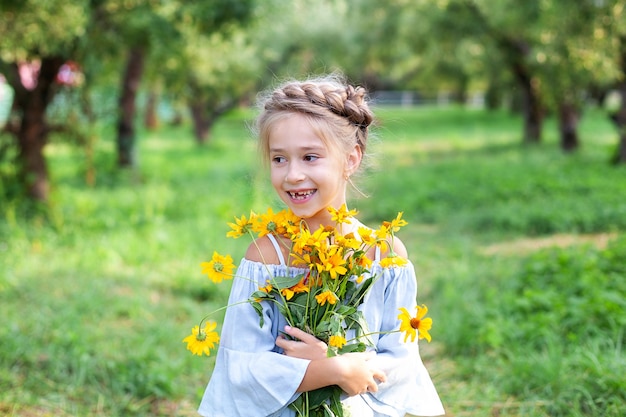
(220,309)
(371,333)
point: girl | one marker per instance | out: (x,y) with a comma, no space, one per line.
(313,134)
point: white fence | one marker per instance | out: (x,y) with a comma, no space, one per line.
(415,98)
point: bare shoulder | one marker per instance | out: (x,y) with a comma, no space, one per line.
(399,248)
(262,250)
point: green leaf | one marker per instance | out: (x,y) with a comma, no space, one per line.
(259,295)
(319,396)
(259,310)
(281,283)
(360,293)
(345,310)
(357,321)
(353,347)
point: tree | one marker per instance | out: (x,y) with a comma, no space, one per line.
(572,56)
(153,32)
(611,27)
(36,38)
(45,34)
(507,29)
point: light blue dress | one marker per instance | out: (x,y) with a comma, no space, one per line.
(252,377)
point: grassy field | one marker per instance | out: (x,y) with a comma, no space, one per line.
(520,252)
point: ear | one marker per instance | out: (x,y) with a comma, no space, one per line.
(353,161)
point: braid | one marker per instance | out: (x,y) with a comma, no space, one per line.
(318,98)
(348,102)
(339,111)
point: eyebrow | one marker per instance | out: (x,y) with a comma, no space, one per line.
(302,149)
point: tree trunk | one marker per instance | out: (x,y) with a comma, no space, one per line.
(531,104)
(127,107)
(204,117)
(568,126)
(201,123)
(515,52)
(150,118)
(32,133)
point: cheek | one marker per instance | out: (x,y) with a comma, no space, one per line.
(275,178)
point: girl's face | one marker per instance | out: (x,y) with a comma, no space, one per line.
(307,176)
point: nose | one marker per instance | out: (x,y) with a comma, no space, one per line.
(295,173)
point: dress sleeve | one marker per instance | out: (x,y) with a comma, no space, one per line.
(409,388)
(251,377)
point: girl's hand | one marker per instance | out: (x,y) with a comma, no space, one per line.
(356,376)
(305,347)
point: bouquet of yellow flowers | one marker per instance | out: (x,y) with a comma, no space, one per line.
(323,300)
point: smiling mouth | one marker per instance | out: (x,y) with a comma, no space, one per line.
(300,195)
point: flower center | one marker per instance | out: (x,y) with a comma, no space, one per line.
(218,266)
(415,323)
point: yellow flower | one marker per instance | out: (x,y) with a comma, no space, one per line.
(302,260)
(290,223)
(363,261)
(218,268)
(242,226)
(396,223)
(411,325)
(305,241)
(268,288)
(381,237)
(202,340)
(382,232)
(266,223)
(390,261)
(348,241)
(337,341)
(301,286)
(287,293)
(326,296)
(332,262)
(366,235)
(342,215)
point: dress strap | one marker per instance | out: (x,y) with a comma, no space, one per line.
(377,254)
(279,252)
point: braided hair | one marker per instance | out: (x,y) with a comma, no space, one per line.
(338,112)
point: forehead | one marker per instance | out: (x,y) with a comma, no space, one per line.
(296,131)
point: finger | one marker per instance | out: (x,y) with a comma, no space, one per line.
(300,334)
(280,340)
(284,343)
(379,375)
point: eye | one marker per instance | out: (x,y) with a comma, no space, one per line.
(279,159)
(311,158)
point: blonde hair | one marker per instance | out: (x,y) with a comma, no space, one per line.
(338,112)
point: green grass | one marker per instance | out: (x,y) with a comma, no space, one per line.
(97,293)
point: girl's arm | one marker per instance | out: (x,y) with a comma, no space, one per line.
(350,372)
